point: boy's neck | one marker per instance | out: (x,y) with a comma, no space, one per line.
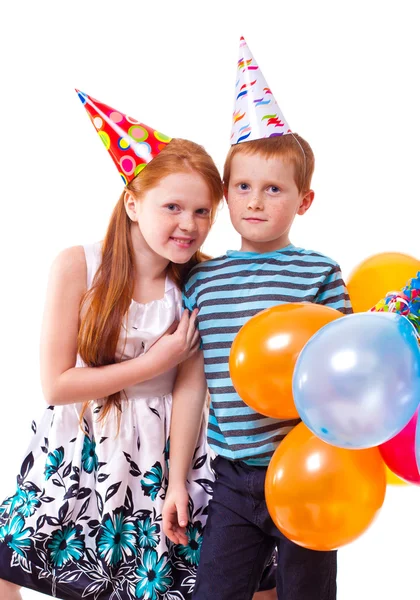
(263,247)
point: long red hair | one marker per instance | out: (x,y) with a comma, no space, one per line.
(106,303)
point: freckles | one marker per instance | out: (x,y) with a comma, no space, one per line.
(283,208)
(281,211)
(204,229)
(234,207)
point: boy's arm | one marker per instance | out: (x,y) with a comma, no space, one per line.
(333,292)
(187,413)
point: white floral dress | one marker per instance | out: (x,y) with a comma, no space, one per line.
(85,520)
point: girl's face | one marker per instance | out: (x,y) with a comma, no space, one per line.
(174,217)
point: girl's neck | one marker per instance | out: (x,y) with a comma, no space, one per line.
(149,265)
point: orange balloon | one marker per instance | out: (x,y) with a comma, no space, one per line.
(376,276)
(265,351)
(393,479)
(323,497)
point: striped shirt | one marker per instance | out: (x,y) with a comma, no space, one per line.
(228,291)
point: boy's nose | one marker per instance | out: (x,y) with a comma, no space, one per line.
(255,203)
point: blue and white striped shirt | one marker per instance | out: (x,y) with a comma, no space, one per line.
(228,291)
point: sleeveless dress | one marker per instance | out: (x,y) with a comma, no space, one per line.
(85,520)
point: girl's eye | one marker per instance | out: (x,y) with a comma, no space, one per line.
(243,186)
(172,207)
(203,211)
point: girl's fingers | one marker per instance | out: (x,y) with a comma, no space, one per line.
(192,326)
(183,325)
(172,328)
(194,349)
(195,341)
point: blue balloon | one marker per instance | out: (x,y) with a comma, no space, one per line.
(356,382)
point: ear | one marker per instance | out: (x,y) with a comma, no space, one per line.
(225,192)
(306,202)
(130,204)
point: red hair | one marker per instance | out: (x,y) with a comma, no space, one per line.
(289,147)
(109,298)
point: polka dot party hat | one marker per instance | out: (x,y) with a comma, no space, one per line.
(131,144)
(256,114)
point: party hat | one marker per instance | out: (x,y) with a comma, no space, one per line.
(256,114)
(131,144)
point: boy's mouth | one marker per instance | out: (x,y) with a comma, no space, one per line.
(254,220)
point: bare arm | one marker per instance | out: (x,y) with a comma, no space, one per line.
(189,397)
(62,383)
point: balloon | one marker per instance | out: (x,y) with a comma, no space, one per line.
(357,381)
(417,444)
(322,497)
(264,353)
(393,479)
(378,275)
(399,453)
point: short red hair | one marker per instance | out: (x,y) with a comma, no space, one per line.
(289,147)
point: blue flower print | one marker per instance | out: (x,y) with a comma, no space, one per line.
(12,503)
(117,538)
(148,533)
(24,501)
(13,534)
(54,462)
(154,576)
(28,502)
(152,482)
(191,552)
(89,457)
(166,452)
(66,544)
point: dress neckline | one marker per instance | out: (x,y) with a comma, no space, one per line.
(169,285)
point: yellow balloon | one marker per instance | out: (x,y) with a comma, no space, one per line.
(393,479)
(370,281)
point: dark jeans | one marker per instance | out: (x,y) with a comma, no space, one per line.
(240,537)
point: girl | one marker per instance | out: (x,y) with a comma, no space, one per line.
(85,519)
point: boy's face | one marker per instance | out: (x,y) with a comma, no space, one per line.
(263,200)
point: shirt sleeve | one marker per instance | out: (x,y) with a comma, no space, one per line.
(189,299)
(333,292)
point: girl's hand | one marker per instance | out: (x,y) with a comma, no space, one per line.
(175,515)
(180,342)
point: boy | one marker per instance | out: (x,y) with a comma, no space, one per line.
(267,178)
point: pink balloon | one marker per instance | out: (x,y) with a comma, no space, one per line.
(399,453)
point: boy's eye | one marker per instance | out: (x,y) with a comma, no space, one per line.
(274,189)
(172,207)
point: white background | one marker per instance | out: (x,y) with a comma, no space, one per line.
(346,77)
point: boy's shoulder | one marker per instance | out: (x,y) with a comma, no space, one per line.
(204,267)
(315,256)
(311,259)
(290,252)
